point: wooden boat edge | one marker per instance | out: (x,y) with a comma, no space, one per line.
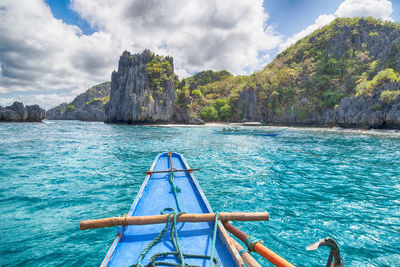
(222,232)
(121,228)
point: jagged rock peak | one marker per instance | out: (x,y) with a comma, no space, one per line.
(143,89)
(17,112)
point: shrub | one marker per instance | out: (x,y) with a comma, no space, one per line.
(365,87)
(159,70)
(373,34)
(384,76)
(208,113)
(377,107)
(103,100)
(331,98)
(373,65)
(197,94)
(225,112)
(389,97)
(71,108)
(219,103)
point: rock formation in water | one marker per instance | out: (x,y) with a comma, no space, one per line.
(378,109)
(17,112)
(316,81)
(142,90)
(88,106)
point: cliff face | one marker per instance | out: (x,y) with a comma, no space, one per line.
(345,74)
(379,109)
(88,106)
(17,112)
(316,81)
(142,90)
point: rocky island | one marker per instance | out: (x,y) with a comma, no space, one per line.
(344,74)
(88,106)
(17,112)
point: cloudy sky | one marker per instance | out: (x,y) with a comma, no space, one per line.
(52,50)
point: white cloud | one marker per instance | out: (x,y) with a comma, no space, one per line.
(39,53)
(44,100)
(348,8)
(199,34)
(363,8)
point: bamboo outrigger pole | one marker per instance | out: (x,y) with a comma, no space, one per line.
(247,258)
(259,248)
(156,219)
(173,170)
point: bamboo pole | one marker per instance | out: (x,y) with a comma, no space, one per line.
(259,248)
(156,219)
(247,258)
(174,170)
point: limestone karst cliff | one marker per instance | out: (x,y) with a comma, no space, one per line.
(142,89)
(315,81)
(318,81)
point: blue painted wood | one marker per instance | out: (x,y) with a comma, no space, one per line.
(155,195)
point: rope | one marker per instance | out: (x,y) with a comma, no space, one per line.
(152,261)
(214,237)
(243,251)
(175,189)
(155,241)
(177,253)
(250,242)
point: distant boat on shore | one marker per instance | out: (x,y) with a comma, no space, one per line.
(239,131)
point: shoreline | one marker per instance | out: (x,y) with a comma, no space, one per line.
(386,132)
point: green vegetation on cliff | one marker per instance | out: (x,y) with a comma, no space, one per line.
(71,108)
(351,58)
(88,106)
(348,56)
(366,88)
(159,71)
(102,100)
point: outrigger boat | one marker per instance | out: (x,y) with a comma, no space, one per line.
(244,131)
(171,223)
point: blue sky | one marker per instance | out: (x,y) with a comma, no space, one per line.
(61,10)
(52,50)
(288,16)
(291,16)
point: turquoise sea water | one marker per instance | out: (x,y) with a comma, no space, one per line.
(314,184)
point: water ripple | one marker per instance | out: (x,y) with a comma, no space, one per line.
(314,183)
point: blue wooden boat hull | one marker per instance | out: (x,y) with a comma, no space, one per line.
(155,195)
